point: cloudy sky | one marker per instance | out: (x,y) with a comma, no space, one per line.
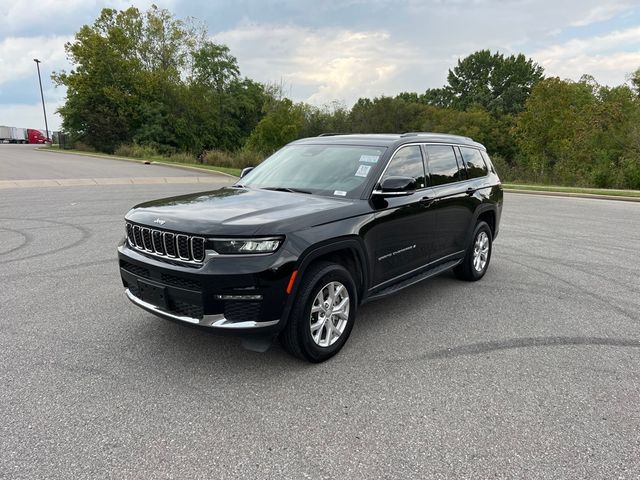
(323,51)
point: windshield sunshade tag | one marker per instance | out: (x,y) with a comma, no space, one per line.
(363,170)
(369,158)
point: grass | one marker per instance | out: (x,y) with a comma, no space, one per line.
(156,159)
(578,190)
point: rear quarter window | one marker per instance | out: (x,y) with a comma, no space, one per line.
(476,167)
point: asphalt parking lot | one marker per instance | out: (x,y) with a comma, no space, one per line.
(534,372)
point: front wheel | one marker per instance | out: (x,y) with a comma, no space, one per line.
(478,254)
(323,315)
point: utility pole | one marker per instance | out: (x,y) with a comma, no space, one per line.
(44,110)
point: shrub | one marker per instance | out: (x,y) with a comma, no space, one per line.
(143,151)
(219,158)
(78,145)
(182,157)
(124,151)
(240,159)
(248,158)
(136,151)
(630,169)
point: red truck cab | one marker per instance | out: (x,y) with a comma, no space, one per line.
(36,136)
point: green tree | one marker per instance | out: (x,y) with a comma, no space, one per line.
(499,84)
(580,133)
(215,81)
(385,115)
(554,129)
(103,89)
(126,77)
(281,125)
(330,118)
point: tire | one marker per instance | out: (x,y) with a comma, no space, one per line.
(299,338)
(475,262)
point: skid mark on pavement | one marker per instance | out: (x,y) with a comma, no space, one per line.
(85,234)
(527,342)
(25,239)
(83,182)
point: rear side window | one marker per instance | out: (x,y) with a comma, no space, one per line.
(489,163)
(443,166)
(474,161)
(407,162)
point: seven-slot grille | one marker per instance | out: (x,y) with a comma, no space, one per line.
(166,244)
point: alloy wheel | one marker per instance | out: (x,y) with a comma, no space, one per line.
(329,314)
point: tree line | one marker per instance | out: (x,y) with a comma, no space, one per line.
(152,82)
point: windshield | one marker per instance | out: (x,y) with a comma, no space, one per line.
(333,170)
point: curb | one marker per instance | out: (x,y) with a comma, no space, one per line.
(573,195)
(136,160)
(83,182)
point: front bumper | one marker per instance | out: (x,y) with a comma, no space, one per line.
(226,295)
(213,321)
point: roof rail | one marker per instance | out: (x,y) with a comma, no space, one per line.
(331,134)
(416,134)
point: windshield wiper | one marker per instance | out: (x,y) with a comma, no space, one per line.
(285,189)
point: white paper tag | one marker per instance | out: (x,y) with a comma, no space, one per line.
(340,193)
(363,170)
(369,158)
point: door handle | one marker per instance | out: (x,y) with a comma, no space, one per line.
(426,200)
(470,191)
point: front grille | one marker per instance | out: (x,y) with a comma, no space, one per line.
(183,246)
(130,237)
(158,242)
(146,239)
(178,307)
(180,282)
(170,244)
(187,309)
(135,269)
(137,235)
(166,244)
(197,249)
(134,290)
(242,311)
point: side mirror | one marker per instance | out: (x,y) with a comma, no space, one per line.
(396,187)
(245,171)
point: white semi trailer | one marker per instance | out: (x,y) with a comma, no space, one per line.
(13,135)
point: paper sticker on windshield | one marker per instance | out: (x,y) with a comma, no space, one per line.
(369,158)
(340,193)
(363,170)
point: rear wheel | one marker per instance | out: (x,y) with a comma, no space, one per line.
(478,254)
(323,315)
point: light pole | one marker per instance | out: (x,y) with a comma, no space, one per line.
(44,110)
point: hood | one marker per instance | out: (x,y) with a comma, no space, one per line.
(240,211)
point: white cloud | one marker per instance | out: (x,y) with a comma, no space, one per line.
(609,58)
(52,15)
(17,54)
(416,48)
(391,47)
(30,116)
(601,13)
(322,65)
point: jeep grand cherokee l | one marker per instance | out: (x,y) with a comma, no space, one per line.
(319,228)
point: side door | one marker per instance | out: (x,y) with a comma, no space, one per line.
(453,199)
(398,240)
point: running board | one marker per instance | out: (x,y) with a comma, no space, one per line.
(413,280)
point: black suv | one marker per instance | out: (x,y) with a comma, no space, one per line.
(320,227)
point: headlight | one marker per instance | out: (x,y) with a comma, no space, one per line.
(246,245)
